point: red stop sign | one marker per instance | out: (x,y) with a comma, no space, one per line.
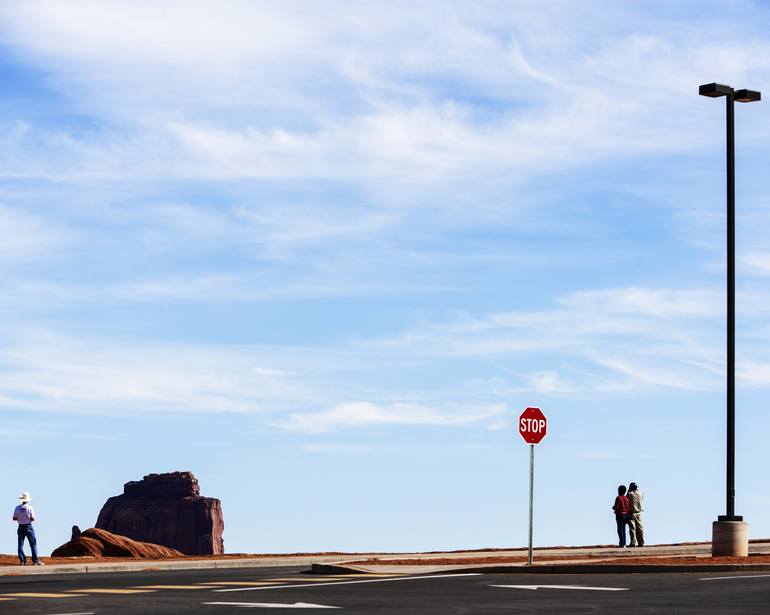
(532,425)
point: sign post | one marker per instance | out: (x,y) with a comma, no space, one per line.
(532,427)
(531,498)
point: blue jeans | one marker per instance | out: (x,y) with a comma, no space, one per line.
(621,520)
(28,532)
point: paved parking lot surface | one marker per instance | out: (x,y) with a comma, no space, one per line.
(281,589)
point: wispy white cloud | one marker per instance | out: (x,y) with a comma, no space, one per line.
(42,371)
(57,374)
(24,236)
(379,449)
(758,263)
(425,118)
(379,105)
(46,372)
(35,297)
(753,373)
(549,383)
(368,414)
(648,302)
(620,339)
(45,430)
(608,342)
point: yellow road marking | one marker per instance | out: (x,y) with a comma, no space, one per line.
(1,598)
(111,591)
(239,583)
(169,587)
(39,595)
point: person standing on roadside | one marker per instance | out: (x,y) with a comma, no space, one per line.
(25,515)
(621,508)
(635,527)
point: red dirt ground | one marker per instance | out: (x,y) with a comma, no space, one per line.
(12,560)
(540,558)
(635,561)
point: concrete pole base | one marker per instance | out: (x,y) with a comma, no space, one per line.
(730,539)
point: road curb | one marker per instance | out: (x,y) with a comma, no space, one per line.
(150,566)
(343,563)
(341,568)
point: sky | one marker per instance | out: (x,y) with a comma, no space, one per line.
(323,255)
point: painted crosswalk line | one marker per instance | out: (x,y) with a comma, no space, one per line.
(41,595)
(580,587)
(168,587)
(358,575)
(272,605)
(243,583)
(323,579)
(97,590)
(734,577)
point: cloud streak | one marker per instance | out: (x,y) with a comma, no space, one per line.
(52,373)
(367,414)
(411,136)
(617,340)
(606,342)
(380,106)
(25,237)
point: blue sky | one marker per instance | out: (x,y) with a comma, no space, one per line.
(324,258)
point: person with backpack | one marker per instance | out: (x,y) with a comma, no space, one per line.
(621,507)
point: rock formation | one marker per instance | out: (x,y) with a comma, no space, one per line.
(100,543)
(168,510)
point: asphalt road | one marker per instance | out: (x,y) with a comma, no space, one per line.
(278,590)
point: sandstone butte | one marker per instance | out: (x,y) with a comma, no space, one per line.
(168,510)
(99,543)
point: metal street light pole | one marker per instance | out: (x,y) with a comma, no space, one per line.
(715,90)
(730,490)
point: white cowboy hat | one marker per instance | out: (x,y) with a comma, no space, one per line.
(24,497)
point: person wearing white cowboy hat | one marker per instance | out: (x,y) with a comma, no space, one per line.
(25,515)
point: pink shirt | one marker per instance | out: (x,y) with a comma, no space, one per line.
(24,514)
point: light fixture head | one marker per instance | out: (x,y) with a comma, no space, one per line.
(714,90)
(745,96)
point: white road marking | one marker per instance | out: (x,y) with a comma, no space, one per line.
(43,595)
(169,587)
(225,583)
(320,579)
(747,576)
(533,587)
(272,605)
(430,576)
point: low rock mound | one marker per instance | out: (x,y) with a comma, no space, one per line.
(101,543)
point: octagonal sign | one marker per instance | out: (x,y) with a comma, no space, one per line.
(533,425)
